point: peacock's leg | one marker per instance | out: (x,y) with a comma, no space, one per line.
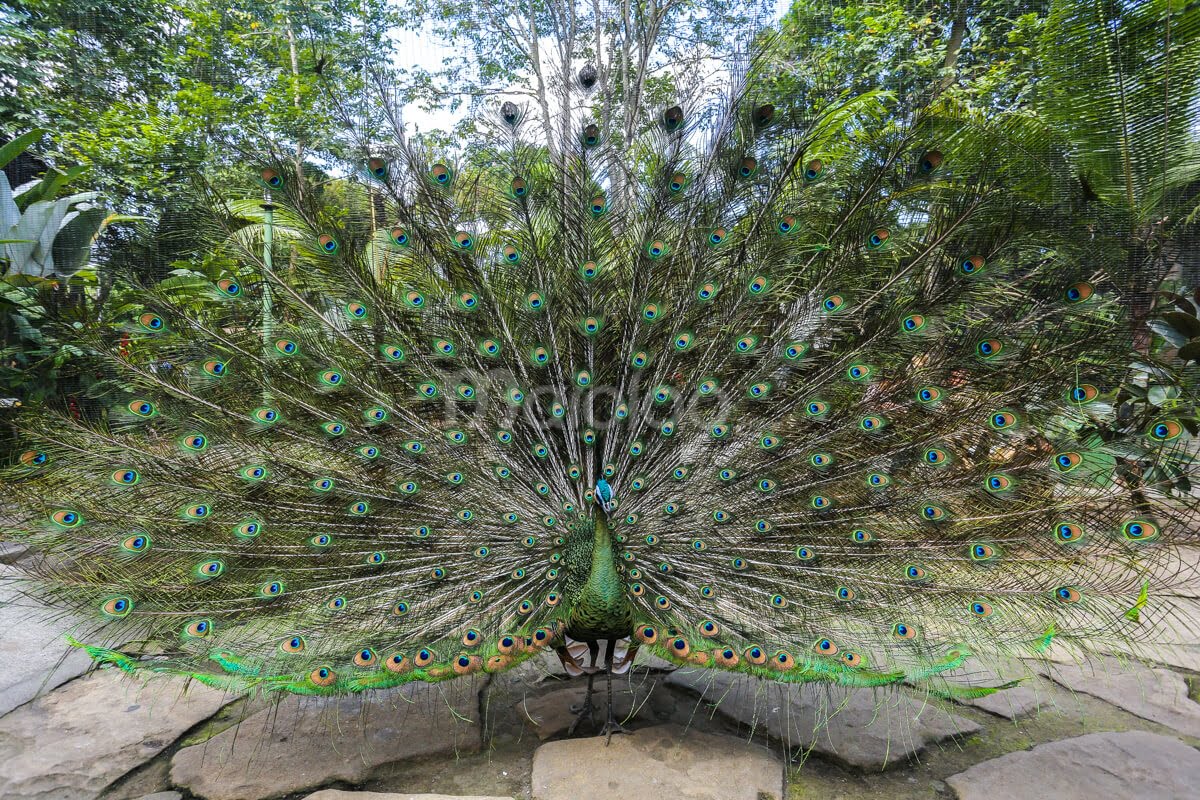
(585,710)
(611,725)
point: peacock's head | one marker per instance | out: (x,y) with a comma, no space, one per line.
(604,496)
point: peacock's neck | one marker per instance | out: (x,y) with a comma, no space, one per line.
(601,610)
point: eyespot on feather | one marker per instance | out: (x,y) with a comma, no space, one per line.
(198,629)
(142,408)
(646,634)
(66,518)
(1139,530)
(292,644)
(117,607)
(1066,462)
(229,287)
(756,655)
(930,160)
(878,238)
(377,167)
(1078,292)
(465,664)
(323,677)
(1067,595)
(825,647)
(726,657)
(981,609)
(398,663)
(126,477)
(1166,430)
(138,543)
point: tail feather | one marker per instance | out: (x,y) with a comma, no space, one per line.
(852,372)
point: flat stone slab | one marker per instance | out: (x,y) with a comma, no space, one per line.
(665,761)
(647,659)
(341,794)
(550,714)
(73,742)
(1175,642)
(1027,697)
(34,656)
(11,552)
(162,796)
(858,727)
(1091,767)
(1166,639)
(302,743)
(1158,695)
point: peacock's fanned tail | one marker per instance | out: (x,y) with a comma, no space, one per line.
(850,372)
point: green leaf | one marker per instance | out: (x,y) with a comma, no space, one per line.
(1159,394)
(1185,324)
(1190,351)
(18,145)
(1173,337)
(73,245)
(48,187)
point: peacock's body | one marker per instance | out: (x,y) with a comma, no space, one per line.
(810,393)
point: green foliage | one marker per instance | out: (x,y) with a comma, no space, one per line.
(35,364)
(46,243)
(196,91)
(980,53)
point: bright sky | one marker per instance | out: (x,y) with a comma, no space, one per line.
(425,51)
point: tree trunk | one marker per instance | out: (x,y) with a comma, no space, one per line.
(958,31)
(298,159)
(535,57)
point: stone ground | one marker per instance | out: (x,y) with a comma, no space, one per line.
(1068,731)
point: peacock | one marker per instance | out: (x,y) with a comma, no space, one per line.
(809,390)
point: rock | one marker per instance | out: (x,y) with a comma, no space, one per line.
(1098,765)
(34,656)
(647,659)
(1158,695)
(1167,568)
(303,743)
(1025,698)
(1174,639)
(1168,639)
(861,728)
(664,761)
(11,552)
(341,794)
(518,681)
(1010,703)
(550,714)
(78,739)
(162,796)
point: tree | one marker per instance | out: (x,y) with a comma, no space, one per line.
(644,54)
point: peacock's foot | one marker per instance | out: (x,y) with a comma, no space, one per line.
(611,727)
(583,711)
